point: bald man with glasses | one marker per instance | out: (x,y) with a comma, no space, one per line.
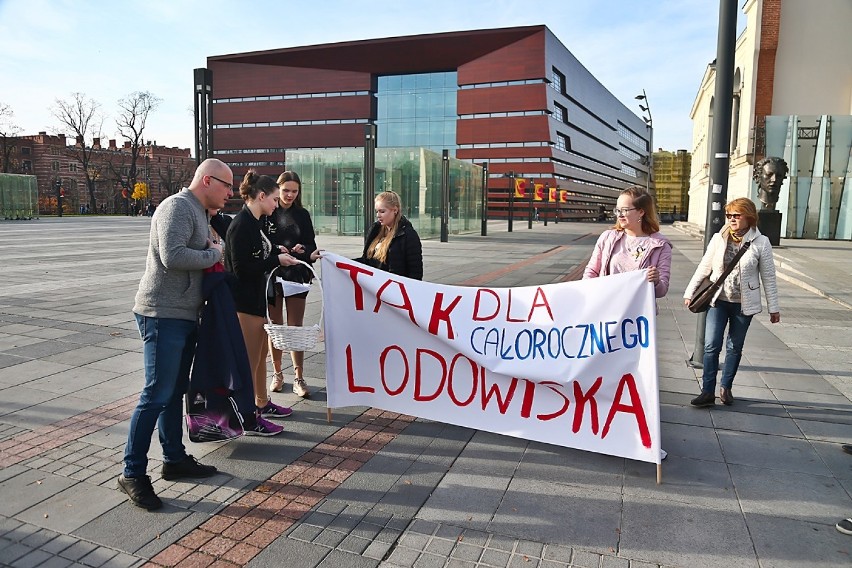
(167,307)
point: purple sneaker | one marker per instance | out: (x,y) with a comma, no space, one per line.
(262,427)
(272,410)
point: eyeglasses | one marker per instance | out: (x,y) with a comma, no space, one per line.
(230,186)
(623,210)
(733,215)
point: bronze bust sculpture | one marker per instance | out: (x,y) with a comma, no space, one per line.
(769,173)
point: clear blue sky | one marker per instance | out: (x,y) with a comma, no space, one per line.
(108,49)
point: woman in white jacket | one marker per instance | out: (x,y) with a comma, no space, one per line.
(739,297)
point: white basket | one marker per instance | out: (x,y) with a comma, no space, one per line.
(292,337)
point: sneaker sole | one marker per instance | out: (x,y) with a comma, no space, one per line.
(267,434)
(277,415)
(841,529)
(176,477)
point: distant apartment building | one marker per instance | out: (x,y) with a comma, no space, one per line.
(671,180)
(51,159)
(792,99)
(514,98)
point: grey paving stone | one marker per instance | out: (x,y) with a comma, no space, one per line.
(21,531)
(547,463)
(286,553)
(695,482)
(440,546)
(338,558)
(12,552)
(32,559)
(585,559)
(771,452)
(742,422)
(426,560)
(789,543)
(415,540)
(354,544)
(648,525)
(329,538)
(481,493)
(24,491)
(377,550)
(70,509)
(40,538)
(790,494)
(502,542)
(133,530)
(78,550)
(56,562)
(529,548)
(305,532)
(497,558)
(98,557)
(464,551)
(613,562)
(58,544)
(401,556)
(536,511)
(557,553)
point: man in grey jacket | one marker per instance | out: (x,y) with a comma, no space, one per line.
(167,307)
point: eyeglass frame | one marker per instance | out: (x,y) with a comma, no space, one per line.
(230,186)
(733,215)
(623,210)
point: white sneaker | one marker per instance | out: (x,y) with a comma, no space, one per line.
(300,388)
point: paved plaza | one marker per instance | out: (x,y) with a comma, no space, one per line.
(757,484)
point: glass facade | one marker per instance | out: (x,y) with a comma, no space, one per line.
(816,198)
(18,196)
(333,186)
(417,110)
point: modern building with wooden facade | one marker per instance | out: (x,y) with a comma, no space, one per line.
(514,98)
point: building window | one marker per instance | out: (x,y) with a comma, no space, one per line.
(417,110)
(25,150)
(54,166)
(72,167)
(560,113)
(563,143)
(28,166)
(558,81)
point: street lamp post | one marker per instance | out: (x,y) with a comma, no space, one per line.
(511,176)
(649,123)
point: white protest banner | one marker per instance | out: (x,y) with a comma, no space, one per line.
(572,364)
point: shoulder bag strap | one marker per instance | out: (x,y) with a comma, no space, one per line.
(730,267)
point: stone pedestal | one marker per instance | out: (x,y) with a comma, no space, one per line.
(769,223)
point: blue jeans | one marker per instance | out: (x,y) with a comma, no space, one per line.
(168,349)
(718,316)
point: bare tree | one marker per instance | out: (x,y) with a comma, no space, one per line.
(9,132)
(81,116)
(174,177)
(132,117)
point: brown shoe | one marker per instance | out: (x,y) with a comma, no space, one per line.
(725,396)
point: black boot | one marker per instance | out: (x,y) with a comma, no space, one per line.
(704,399)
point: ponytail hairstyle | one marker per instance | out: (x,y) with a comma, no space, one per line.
(254,184)
(378,249)
(292,176)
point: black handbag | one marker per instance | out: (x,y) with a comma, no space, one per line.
(703,295)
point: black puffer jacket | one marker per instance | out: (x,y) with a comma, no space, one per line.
(405,256)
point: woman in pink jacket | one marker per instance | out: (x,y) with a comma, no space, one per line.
(634,242)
